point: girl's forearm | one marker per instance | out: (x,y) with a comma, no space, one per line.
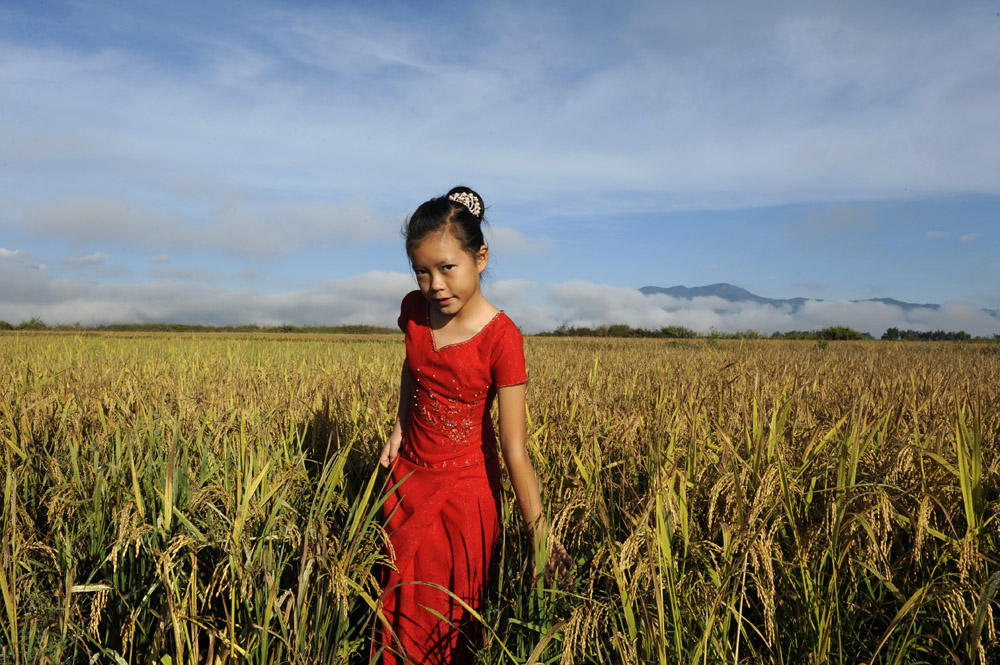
(522,477)
(395,440)
(405,396)
(513,444)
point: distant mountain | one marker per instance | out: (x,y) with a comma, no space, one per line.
(737,294)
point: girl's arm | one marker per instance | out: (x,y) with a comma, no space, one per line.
(513,445)
(391,448)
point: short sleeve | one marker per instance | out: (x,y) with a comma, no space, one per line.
(507,358)
(409,308)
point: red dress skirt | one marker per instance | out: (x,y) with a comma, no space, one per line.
(443,518)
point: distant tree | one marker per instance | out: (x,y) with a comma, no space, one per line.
(4,325)
(927,335)
(800,334)
(34,323)
(892,334)
(842,332)
(674,332)
(620,330)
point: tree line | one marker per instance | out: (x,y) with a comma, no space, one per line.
(359,329)
(681,332)
(927,335)
(828,333)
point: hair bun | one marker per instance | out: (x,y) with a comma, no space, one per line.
(468,198)
(460,212)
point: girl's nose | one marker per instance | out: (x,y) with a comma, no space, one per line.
(437,282)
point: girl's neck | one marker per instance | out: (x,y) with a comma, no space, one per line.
(464,325)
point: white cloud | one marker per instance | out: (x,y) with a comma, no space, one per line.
(187,273)
(371,298)
(512,293)
(511,242)
(92,219)
(934,235)
(969,237)
(12,261)
(84,260)
(264,230)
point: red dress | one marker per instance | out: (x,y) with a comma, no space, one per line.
(443,520)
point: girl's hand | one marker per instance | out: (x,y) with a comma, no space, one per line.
(391,448)
(561,569)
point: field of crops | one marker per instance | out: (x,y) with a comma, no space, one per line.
(213,499)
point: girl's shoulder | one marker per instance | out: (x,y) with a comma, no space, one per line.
(502,335)
(412,299)
(505,325)
(413,307)
(495,327)
(506,352)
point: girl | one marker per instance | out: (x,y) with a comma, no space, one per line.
(443,518)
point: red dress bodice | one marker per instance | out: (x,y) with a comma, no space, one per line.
(454,386)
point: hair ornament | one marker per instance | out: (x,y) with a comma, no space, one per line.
(470,201)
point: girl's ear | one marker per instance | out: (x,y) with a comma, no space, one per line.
(482,258)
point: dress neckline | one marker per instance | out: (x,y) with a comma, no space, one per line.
(434,344)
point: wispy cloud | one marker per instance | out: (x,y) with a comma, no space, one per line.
(969,237)
(12,262)
(511,242)
(84,260)
(368,298)
(935,235)
(188,273)
(263,230)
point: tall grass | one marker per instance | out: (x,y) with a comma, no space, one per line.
(207,499)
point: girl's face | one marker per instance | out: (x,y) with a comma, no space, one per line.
(447,274)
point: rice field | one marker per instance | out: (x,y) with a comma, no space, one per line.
(215,499)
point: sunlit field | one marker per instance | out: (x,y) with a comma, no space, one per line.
(214,499)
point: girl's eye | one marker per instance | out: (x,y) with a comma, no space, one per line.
(447,267)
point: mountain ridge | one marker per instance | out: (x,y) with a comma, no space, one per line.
(733,293)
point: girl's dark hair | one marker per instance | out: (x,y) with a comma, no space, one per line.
(464,222)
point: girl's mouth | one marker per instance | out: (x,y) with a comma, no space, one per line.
(443,302)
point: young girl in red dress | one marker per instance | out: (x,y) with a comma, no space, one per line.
(443,519)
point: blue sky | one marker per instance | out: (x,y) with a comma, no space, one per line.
(253,162)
